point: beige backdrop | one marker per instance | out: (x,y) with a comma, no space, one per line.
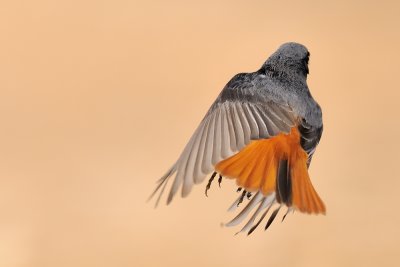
(98,98)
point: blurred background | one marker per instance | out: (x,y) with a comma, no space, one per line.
(98,98)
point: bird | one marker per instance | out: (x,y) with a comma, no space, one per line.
(261,131)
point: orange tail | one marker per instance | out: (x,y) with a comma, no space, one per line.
(278,164)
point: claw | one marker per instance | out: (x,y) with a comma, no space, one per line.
(239,189)
(209,182)
(248,195)
(242,197)
(219,180)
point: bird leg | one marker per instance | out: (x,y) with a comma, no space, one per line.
(248,195)
(210,181)
(242,197)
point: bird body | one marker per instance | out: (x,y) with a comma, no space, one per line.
(262,131)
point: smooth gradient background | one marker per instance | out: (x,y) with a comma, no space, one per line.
(98,98)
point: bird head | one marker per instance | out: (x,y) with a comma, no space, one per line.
(290,59)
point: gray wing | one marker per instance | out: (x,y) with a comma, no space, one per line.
(239,115)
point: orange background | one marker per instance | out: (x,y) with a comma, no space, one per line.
(98,98)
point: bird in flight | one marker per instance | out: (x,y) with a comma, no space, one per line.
(262,132)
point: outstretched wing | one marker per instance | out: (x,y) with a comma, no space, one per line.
(240,114)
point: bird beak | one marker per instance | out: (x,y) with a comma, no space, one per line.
(305,65)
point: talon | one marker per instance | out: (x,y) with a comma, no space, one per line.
(242,197)
(209,182)
(239,189)
(219,181)
(248,195)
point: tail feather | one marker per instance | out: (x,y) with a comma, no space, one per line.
(284,183)
(305,198)
(279,165)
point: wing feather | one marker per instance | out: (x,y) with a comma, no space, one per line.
(246,210)
(251,120)
(190,174)
(238,116)
(231,128)
(262,127)
(199,175)
(278,125)
(266,202)
(237,126)
(209,146)
(181,163)
(216,154)
(225,135)
(244,123)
